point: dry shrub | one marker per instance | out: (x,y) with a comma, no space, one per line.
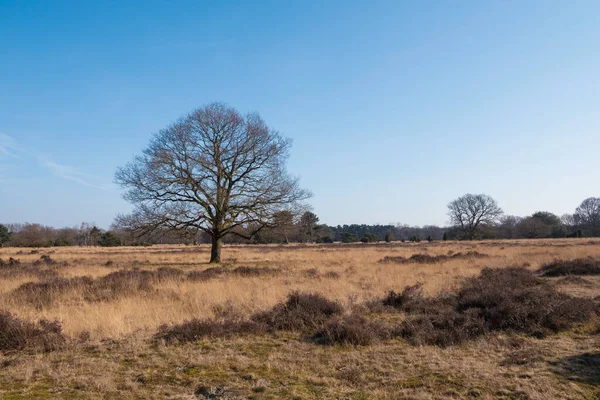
(10,263)
(16,334)
(574,280)
(580,266)
(14,268)
(207,274)
(504,299)
(120,284)
(515,299)
(444,329)
(255,271)
(427,259)
(196,329)
(168,273)
(110,287)
(45,293)
(352,330)
(48,261)
(411,300)
(313,273)
(301,312)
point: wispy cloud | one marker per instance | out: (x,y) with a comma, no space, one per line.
(9,148)
(71,174)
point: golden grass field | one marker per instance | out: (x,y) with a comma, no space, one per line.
(110,354)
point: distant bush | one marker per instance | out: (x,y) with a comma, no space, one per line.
(347,237)
(580,266)
(428,259)
(109,239)
(389,236)
(301,312)
(207,274)
(369,237)
(16,334)
(255,271)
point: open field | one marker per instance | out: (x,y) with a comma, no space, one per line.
(109,324)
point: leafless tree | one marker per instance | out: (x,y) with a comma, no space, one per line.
(587,215)
(214,170)
(469,212)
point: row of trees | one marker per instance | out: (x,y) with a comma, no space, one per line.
(479,216)
(472,217)
(36,235)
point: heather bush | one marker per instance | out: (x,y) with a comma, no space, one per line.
(16,334)
(196,329)
(301,312)
(352,330)
(580,266)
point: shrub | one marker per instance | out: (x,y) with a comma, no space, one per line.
(389,236)
(16,334)
(301,312)
(196,329)
(207,274)
(109,239)
(109,287)
(255,271)
(428,259)
(580,266)
(351,330)
(443,329)
(411,300)
(369,237)
(515,299)
(504,299)
(43,294)
(347,237)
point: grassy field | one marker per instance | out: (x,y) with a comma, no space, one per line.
(109,324)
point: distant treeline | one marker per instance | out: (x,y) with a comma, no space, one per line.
(305,228)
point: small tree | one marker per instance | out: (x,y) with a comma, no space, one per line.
(347,237)
(5,235)
(109,239)
(587,216)
(369,237)
(308,226)
(445,237)
(469,212)
(429,239)
(389,236)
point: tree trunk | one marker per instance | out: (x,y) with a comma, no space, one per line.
(215,251)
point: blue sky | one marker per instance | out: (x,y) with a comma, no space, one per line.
(395,107)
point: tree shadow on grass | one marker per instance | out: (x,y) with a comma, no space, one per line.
(584,368)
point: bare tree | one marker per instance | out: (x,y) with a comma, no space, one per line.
(469,212)
(587,215)
(214,170)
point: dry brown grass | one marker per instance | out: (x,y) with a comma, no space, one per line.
(117,359)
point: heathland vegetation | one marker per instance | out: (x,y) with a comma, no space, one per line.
(443,319)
